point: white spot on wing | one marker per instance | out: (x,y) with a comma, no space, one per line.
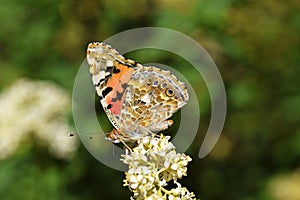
(96,78)
(102,74)
(109,63)
(98,90)
(146,99)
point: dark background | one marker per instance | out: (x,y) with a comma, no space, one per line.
(255,45)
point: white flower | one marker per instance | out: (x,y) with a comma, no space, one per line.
(34,111)
(285,186)
(152,164)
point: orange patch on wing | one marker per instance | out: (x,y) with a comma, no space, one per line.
(116,81)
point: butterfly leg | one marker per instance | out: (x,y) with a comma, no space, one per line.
(113,136)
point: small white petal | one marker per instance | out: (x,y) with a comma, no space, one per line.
(139,177)
(174,166)
(134,185)
(133,179)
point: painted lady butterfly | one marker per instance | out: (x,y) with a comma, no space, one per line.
(137,99)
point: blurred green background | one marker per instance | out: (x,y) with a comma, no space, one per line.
(255,45)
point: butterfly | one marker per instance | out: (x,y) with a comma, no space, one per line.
(137,99)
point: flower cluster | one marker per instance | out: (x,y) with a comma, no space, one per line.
(34,111)
(152,164)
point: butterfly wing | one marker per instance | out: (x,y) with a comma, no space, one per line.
(138,100)
(110,73)
(153,96)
